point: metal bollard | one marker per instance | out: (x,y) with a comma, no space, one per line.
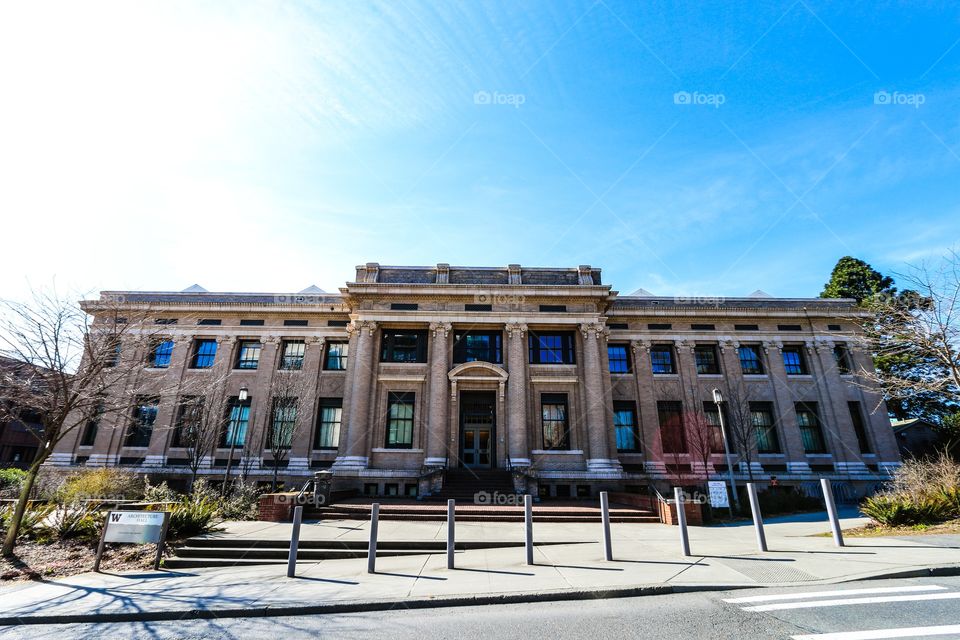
(372,549)
(605,516)
(757,517)
(451,523)
(682,520)
(528,521)
(294,542)
(832,511)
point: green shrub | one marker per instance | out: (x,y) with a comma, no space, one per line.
(104,483)
(191,516)
(159,492)
(921,492)
(896,510)
(70,521)
(242,503)
(11,480)
(33,518)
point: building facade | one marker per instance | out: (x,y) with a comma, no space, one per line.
(410,372)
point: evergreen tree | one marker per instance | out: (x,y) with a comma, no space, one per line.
(854,278)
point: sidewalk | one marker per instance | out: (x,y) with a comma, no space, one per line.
(647,559)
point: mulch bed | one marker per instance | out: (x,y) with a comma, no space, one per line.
(873,530)
(34,561)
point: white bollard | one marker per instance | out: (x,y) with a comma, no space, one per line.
(528,521)
(757,518)
(451,543)
(605,516)
(294,542)
(832,511)
(682,520)
(372,549)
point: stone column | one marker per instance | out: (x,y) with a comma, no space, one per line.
(363,364)
(517,395)
(595,414)
(438,421)
(792,442)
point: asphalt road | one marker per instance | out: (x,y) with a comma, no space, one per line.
(932,604)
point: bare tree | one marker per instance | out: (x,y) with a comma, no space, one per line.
(288,409)
(915,336)
(71,371)
(740,425)
(201,420)
(701,440)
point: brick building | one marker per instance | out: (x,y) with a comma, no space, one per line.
(548,374)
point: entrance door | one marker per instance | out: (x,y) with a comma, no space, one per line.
(477,426)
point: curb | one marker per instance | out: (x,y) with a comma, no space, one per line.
(451,601)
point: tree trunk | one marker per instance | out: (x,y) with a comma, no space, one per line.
(276,470)
(17,519)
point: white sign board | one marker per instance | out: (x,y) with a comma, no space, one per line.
(718,493)
(138,527)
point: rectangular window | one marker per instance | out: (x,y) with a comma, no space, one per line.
(213,322)
(238,418)
(789,327)
(251,323)
(556,429)
(337,323)
(661,358)
(761,417)
(204,353)
(473,346)
(712,415)
(553,308)
(144,415)
(859,427)
(810,432)
(794,362)
(328,423)
(750,363)
(842,357)
(186,432)
(112,349)
(161,354)
(670,417)
(619,357)
(400,420)
(703,327)
(403,345)
(403,306)
(551,348)
(248,354)
(659,326)
(91,428)
(478,307)
(625,426)
(705,356)
(336,359)
(283,424)
(293,353)
(296,323)
(746,327)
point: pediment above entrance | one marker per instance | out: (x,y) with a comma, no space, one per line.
(475,370)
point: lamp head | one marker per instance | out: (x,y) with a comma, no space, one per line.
(717,396)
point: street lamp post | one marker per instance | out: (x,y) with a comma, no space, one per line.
(718,400)
(242,396)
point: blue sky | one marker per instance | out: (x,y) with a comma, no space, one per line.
(686,148)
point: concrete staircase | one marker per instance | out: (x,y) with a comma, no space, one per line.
(463,485)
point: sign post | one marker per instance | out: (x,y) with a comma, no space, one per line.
(718,495)
(135,527)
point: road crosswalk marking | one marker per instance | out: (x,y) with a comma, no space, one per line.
(842,592)
(882,634)
(841,602)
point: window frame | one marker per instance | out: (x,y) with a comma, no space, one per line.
(242,361)
(555,400)
(566,350)
(286,359)
(841,356)
(324,404)
(626,360)
(279,407)
(798,368)
(627,406)
(672,357)
(406,399)
(710,410)
(860,427)
(167,353)
(389,348)
(140,430)
(671,408)
(462,351)
(712,350)
(814,428)
(185,403)
(197,353)
(771,434)
(341,358)
(230,431)
(758,358)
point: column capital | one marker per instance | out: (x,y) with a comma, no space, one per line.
(516,329)
(595,329)
(640,345)
(440,329)
(359,325)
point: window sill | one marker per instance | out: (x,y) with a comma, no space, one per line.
(621,373)
(395,450)
(868,455)
(666,375)
(709,375)
(235,370)
(325,370)
(800,376)
(771,455)
(819,455)
(629,453)
(557,452)
(755,376)
(156,368)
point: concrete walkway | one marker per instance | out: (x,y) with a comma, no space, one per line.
(647,559)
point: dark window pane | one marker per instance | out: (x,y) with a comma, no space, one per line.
(248,354)
(204,354)
(551,348)
(670,417)
(750,360)
(336,359)
(619,357)
(859,427)
(793,361)
(661,359)
(473,346)
(144,416)
(400,421)
(328,424)
(553,410)
(810,431)
(293,353)
(706,359)
(625,426)
(403,346)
